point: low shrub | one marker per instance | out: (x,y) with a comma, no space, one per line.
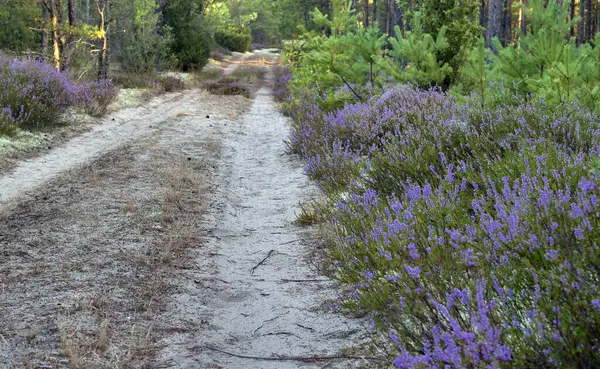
(171,83)
(227,86)
(95,97)
(234,39)
(217,55)
(132,80)
(469,234)
(32,94)
(249,73)
(281,84)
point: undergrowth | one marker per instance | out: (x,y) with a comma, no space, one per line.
(465,223)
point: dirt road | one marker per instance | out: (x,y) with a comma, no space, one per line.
(165,238)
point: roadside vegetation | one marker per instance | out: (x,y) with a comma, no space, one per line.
(460,176)
(75,55)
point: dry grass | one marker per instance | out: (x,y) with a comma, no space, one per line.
(249,73)
(209,73)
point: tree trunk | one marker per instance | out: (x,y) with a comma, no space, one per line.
(571,17)
(482,14)
(55,35)
(366,13)
(597,28)
(580,29)
(375,11)
(522,19)
(588,26)
(494,18)
(70,41)
(103,62)
(44,40)
(506,23)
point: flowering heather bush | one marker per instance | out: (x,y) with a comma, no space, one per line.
(32,94)
(95,97)
(470,234)
(281,87)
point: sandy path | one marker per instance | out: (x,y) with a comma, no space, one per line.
(142,246)
(277,308)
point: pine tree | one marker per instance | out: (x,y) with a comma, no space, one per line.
(417,51)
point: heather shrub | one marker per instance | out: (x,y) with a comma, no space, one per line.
(468,232)
(171,83)
(32,94)
(227,86)
(95,97)
(281,84)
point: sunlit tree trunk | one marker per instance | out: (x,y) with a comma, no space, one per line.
(572,16)
(55,34)
(103,60)
(522,19)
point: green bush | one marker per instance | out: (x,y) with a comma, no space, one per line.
(234,39)
(191,39)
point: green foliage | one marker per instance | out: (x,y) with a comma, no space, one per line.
(548,63)
(192,41)
(460,18)
(234,39)
(343,65)
(18,18)
(419,51)
(145,49)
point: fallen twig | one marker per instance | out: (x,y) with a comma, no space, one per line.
(305,327)
(264,321)
(262,261)
(287,243)
(285,280)
(281,333)
(305,359)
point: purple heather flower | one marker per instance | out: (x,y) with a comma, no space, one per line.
(413,272)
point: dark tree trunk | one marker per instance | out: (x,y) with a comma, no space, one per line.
(494,18)
(588,26)
(70,42)
(375,11)
(507,23)
(482,14)
(366,13)
(71,12)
